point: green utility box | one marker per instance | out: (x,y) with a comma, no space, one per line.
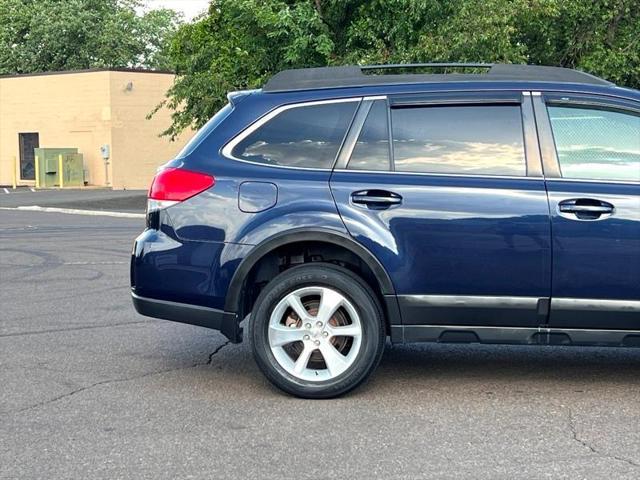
(49,164)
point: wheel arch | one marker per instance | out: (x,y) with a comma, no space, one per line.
(234,299)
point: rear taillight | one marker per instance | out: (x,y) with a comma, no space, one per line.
(174,185)
(177,184)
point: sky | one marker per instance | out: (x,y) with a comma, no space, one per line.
(189,8)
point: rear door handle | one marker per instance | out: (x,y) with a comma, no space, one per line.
(585,208)
(376,199)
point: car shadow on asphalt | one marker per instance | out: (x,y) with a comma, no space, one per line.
(496,363)
(439,367)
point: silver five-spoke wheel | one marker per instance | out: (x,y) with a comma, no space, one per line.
(317,330)
(315,333)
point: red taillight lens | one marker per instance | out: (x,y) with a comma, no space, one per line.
(177,184)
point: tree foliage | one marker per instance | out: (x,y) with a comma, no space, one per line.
(240,43)
(50,35)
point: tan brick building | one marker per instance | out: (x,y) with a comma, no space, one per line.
(87,110)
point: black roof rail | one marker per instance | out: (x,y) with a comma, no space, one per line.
(360,76)
(408,66)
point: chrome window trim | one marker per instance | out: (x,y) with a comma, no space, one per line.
(375,97)
(428,174)
(231,144)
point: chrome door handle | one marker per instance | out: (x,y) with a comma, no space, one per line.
(376,199)
(585,208)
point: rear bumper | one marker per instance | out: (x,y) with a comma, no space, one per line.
(226,322)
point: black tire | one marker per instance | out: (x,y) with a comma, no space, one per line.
(359,294)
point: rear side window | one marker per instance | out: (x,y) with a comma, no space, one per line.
(479,140)
(596,144)
(371,151)
(303,136)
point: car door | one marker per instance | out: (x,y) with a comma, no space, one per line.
(591,150)
(446,190)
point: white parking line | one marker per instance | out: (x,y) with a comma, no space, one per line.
(6,190)
(33,190)
(73,211)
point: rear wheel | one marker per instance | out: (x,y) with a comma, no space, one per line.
(317,331)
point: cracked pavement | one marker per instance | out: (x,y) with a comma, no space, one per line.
(90,389)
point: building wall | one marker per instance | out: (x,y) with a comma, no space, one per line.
(137,149)
(68,110)
(86,110)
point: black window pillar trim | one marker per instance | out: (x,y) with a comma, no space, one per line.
(392,155)
(353,132)
(531,143)
(550,164)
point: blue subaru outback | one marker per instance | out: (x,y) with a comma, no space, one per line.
(336,207)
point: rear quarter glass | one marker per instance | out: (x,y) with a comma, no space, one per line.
(298,135)
(204,132)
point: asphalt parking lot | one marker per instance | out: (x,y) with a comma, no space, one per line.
(90,389)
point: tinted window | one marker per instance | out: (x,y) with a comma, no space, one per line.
(486,140)
(596,144)
(371,151)
(308,136)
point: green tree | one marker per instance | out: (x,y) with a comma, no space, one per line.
(50,35)
(241,43)
(599,36)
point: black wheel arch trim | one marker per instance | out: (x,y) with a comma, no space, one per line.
(303,234)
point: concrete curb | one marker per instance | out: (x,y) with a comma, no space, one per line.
(73,211)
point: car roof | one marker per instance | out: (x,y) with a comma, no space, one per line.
(374,75)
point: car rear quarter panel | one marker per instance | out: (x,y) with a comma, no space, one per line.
(203,240)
